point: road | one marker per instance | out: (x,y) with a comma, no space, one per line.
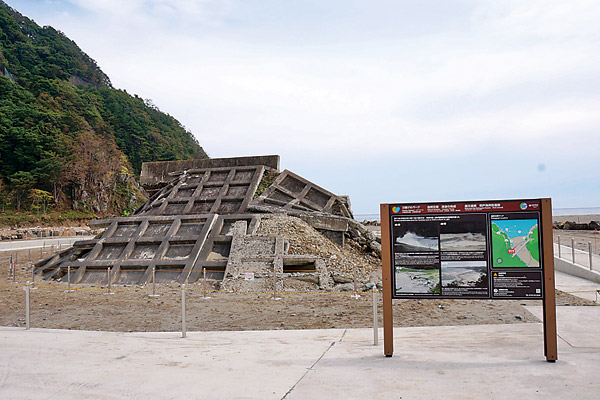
(39,243)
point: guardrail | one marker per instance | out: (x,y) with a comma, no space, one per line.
(570,252)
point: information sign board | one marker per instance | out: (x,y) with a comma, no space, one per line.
(478,250)
(474,249)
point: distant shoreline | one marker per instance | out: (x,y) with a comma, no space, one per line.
(581,219)
(557,216)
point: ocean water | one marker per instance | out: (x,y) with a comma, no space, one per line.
(576,211)
(515,227)
(555,211)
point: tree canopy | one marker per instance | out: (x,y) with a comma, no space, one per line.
(57,107)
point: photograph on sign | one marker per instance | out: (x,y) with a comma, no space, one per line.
(414,236)
(456,250)
(464,274)
(418,279)
(463,233)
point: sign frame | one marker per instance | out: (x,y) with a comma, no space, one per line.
(431,211)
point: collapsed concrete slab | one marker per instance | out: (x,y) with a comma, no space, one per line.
(292,192)
(226,190)
(331,226)
(204,222)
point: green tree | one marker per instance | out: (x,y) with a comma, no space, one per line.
(55,100)
(21,182)
(4,197)
(40,200)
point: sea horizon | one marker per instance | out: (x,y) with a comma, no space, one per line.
(555,212)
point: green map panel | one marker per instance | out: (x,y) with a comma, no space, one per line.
(515,244)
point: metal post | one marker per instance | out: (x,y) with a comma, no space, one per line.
(355,295)
(203,283)
(375,327)
(154,283)
(275,284)
(29,256)
(590,253)
(10,268)
(68,279)
(573,250)
(204,296)
(27,289)
(559,246)
(108,278)
(183,328)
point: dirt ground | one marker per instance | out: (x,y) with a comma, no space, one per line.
(131,309)
(583,239)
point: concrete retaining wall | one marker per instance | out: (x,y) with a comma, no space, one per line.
(156,173)
(575,270)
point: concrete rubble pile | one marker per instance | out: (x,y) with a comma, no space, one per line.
(240,222)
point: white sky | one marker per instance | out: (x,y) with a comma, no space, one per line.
(387,101)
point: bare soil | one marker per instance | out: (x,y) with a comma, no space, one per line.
(131,309)
(583,239)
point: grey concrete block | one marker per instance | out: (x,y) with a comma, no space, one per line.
(155,174)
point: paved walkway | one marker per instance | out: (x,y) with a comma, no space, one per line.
(453,362)
(64,242)
(577,286)
(449,362)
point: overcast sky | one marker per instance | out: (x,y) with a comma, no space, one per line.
(387,101)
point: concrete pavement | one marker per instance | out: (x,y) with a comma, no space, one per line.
(452,362)
(449,362)
(576,286)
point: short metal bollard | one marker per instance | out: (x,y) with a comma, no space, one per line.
(183,327)
(573,250)
(375,325)
(27,291)
(355,294)
(11,269)
(153,284)
(69,290)
(108,280)
(274,297)
(559,255)
(204,296)
(590,253)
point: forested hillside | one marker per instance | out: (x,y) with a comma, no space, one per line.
(68,139)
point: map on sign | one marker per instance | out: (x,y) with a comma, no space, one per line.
(515,243)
